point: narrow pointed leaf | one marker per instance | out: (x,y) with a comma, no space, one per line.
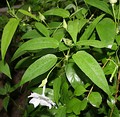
(35,44)
(4,68)
(6,102)
(92,69)
(102,5)
(91,28)
(7,35)
(106,30)
(57,87)
(93,43)
(31,34)
(42,29)
(73,29)
(28,14)
(58,12)
(39,67)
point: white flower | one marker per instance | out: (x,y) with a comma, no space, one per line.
(40,99)
(112,1)
(109,46)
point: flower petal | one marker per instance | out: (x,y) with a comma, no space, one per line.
(41,99)
(35,95)
(35,102)
(45,103)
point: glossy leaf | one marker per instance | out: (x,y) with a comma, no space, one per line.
(91,28)
(106,31)
(92,69)
(57,12)
(72,76)
(28,14)
(35,44)
(102,5)
(7,35)
(42,29)
(95,99)
(39,67)
(4,68)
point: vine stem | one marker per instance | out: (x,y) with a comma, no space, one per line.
(116,95)
(90,91)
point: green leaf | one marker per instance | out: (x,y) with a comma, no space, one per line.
(72,76)
(64,91)
(76,105)
(28,14)
(116,112)
(42,29)
(102,5)
(61,112)
(82,23)
(6,102)
(91,28)
(63,47)
(109,68)
(56,88)
(58,12)
(111,102)
(79,90)
(95,99)
(2,91)
(7,35)
(35,44)
(92,69)
(24,62)
(83,104)
(93,43)
(73,106)
(31,34)
(59,34)
(39,67)
(106,30)
(4,68)
(73,29)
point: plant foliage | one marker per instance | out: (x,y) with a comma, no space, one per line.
(67,50)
